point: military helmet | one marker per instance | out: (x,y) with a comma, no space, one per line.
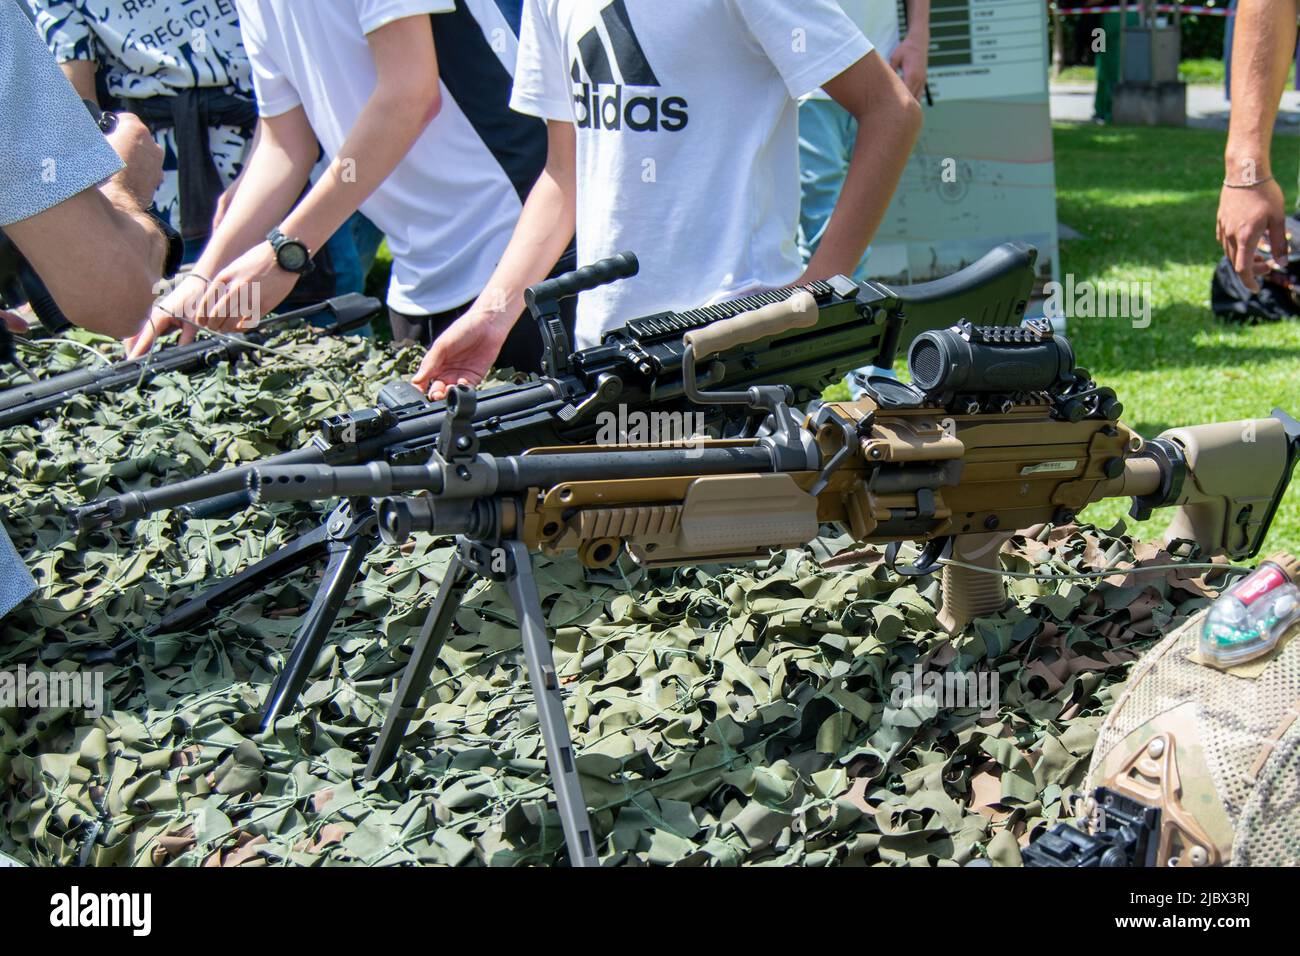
(1215,751)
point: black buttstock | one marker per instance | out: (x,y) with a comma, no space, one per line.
(993,290)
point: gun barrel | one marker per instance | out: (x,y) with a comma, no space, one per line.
(140,504)
(486,475)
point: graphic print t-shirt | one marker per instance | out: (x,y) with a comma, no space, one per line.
(878,19)
(687,125)
(154,49)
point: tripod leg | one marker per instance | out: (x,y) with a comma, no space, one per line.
(348,548)
(415,678)
(550,709)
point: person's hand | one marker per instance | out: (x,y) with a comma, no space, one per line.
(1245,217)
(244,291)
(142,156)
(911,58)
(14,323)
(463,354)
(182,301)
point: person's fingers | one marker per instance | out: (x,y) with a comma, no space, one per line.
(142,343)
(188,334)
(424,375)
(218,315)
(438,391)
(1277,242)
(14,323)
(1244,257)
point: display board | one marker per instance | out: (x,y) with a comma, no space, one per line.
(983,170)
(987,49)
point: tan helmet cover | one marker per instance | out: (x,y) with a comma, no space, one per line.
(1217,751)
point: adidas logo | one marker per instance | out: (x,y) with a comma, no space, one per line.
(607,66)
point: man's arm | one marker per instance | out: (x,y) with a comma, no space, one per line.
(1263,44)
(466,351)
(277,169)
(81,74)
(99,253)
(891,120)
(912,55)
(406,99)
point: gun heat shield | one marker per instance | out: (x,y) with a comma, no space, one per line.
(797,312)
(951,362)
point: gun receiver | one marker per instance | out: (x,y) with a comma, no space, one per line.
(23,403)
(638,366)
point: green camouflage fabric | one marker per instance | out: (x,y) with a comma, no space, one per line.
(721,716)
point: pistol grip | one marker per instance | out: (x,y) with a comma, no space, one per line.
(967,593)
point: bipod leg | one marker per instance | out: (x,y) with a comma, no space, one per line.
(415,678)
(352,533)
(550,707)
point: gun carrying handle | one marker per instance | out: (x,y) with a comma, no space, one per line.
(967,593)
(797,312)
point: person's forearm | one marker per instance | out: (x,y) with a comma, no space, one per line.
(81,74)
(893,121)
(100,255)
(544,231)
(384,133)
(918,20)
(1263,44)
(273,179)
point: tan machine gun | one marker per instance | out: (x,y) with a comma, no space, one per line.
(1000,431)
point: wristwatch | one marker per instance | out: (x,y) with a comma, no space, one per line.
(292,255)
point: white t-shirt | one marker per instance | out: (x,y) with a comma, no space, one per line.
(878,19)
(690,159)
(450,206)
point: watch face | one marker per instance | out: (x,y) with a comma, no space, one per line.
(292,256)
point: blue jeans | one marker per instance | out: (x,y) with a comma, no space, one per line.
(352,252)
(827,134)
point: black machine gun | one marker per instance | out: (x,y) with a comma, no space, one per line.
(24,403)
(638,366)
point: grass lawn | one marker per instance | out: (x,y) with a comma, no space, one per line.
(1145,201)
(1204,72)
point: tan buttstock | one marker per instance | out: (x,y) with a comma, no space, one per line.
(1233,471)
(797,312)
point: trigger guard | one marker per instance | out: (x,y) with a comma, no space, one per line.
(928,562)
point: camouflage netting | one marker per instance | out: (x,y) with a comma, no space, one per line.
(721,716)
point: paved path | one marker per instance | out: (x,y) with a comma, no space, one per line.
(1207,107)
